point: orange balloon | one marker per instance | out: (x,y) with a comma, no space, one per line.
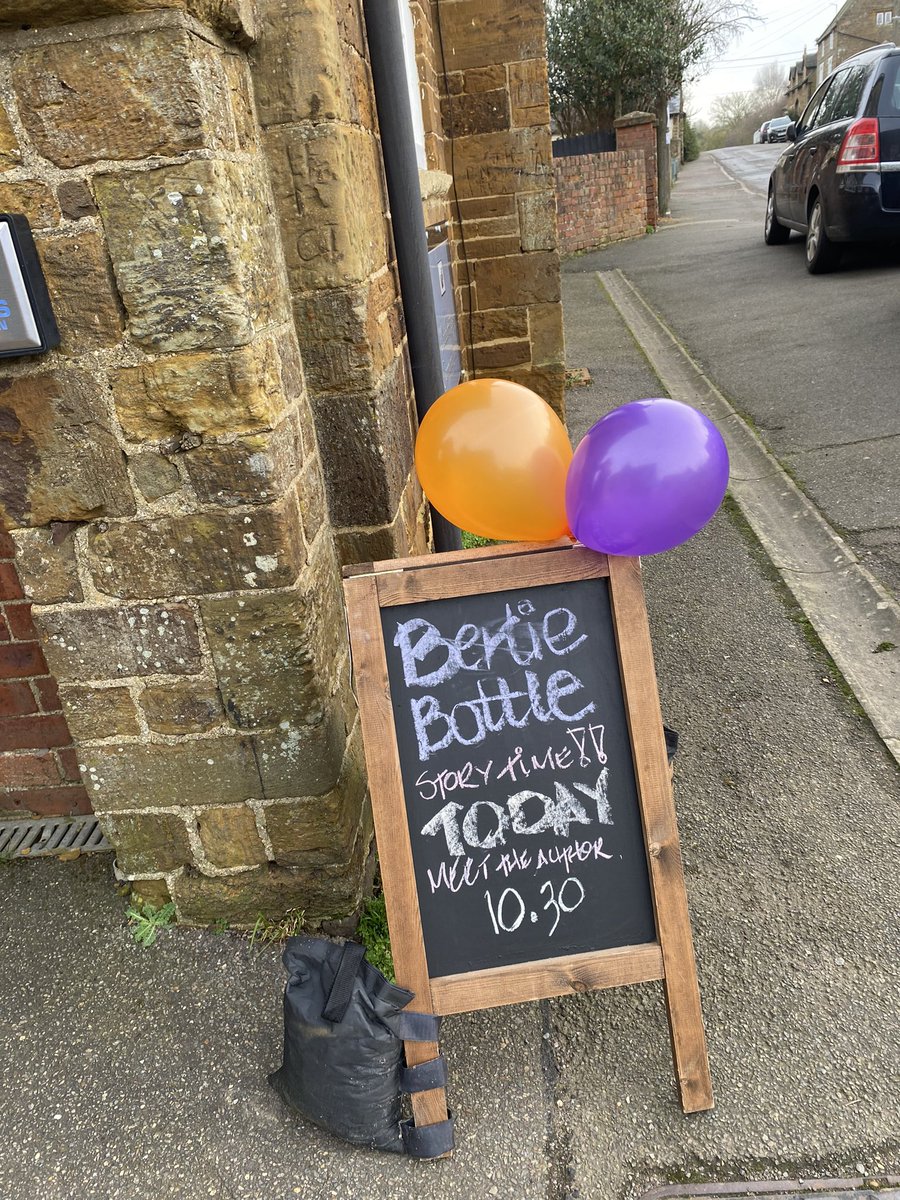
(492,457)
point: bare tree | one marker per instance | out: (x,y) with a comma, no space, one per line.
(770,85)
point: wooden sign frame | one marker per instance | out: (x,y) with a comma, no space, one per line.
(368,589)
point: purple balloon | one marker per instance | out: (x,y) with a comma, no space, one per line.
(646,478)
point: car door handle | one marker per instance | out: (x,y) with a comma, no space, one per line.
(814,149)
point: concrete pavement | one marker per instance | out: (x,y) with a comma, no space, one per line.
(133,1074)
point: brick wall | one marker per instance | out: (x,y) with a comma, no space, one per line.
(600,198)
(39,773)
(606,197)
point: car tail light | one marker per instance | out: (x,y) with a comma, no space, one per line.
(860,147)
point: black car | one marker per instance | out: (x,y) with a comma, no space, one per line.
(839,178)
(777,129)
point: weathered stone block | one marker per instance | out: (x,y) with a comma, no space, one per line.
(129,96)
(202,393)
(322,828)
(232,18)
(347,340)
(367,450)
(34,199)
(319,173)
(198,553)
(148,843)
(217,770)
(154,475)
(275,654)
(518,160)
(537,220)
(151,891)
(45,559)
(529,98)
(481,112)
(476,34)
(249,470)
(546,327)
(499,324)
(58,459)
(299,64)
(177,709)
(502,354)
(517,279)
(230,838)
(311,497)
(76,199)
(271,892)
(10,152)
(191,249)
(110,643)
(479,208)
(94,712)
(76,268)
(301,760)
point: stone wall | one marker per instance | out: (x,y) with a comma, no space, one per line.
(230,415)
(192,612)
(601,198)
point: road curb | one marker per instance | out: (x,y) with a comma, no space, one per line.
(852,614)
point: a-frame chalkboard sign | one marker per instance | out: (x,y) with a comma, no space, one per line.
(521,794)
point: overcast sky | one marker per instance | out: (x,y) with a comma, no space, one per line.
(785,27)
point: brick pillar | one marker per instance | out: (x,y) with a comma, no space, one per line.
(637,131)
(496,110)
(39,773)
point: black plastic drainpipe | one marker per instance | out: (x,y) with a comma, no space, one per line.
(401,170)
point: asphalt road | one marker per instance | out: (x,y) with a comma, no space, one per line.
(813,362)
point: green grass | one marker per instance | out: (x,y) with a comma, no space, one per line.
(372,931)
(267,932)
(471,541)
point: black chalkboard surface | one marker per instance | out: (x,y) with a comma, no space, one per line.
(518,776)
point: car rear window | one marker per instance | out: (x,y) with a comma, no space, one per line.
(842,101)
(889,98)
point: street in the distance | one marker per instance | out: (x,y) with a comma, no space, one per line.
(814,363)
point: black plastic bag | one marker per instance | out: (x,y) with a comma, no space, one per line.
(344,1027)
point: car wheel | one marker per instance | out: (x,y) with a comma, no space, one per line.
(821,252)
(775,233)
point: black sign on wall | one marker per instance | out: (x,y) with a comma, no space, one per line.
(518,776)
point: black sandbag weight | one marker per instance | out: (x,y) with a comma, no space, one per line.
(344,1026)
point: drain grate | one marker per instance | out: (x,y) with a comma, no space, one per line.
(36,838)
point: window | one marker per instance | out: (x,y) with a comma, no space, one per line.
(885,98)
(831,42)
(808,120)
(843,98)
(884,18)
